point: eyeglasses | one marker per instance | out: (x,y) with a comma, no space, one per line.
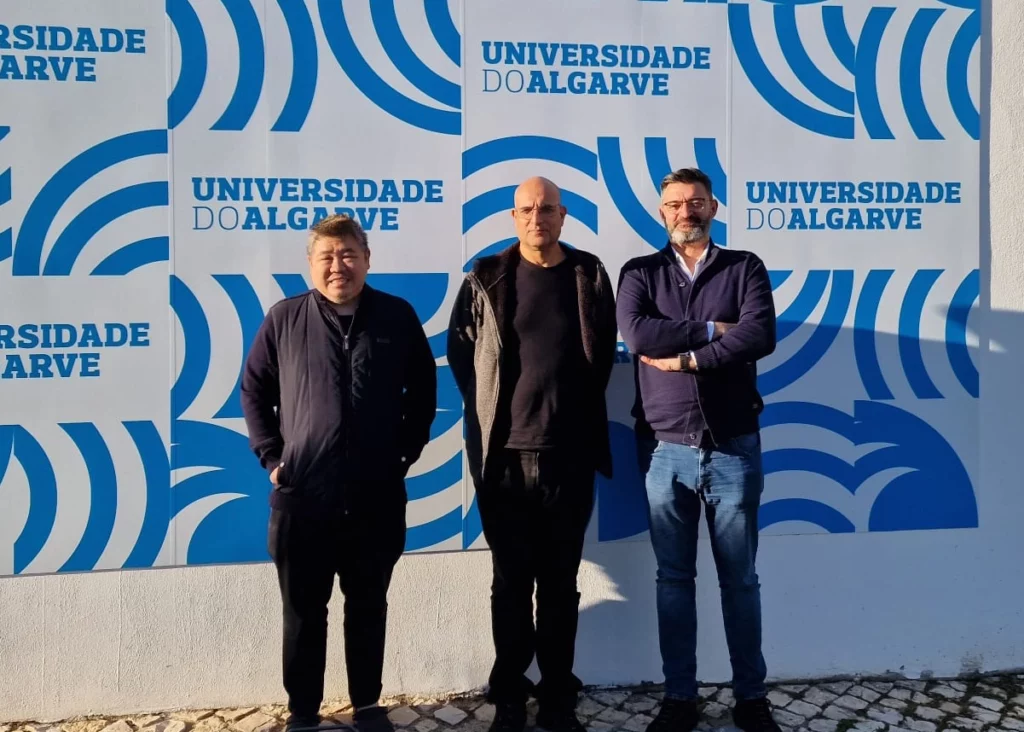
(695,204)
(545,210)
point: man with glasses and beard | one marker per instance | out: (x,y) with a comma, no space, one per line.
(698,317)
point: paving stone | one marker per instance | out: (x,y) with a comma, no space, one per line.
(657,695)
(885,715)
(837,687)
(804,709)
(868,725)
(1013,724)
(882,687)
(989,690)
(929,713)
(598,726)
(640,704)
(787,718)
(169,725)
(920,725)
(426,708)
(901,694)
(403,716)
(919,698)
(946,692)
(485,713)
(851,702)
(611,698)
(86,725)
(613,716)
(253,722)
(819,697)
(839,714)
(912,685)
(426,725)
(726,697)
(964,723)
(144,721)
(706,692)
(822,725)
(588,707)
(119,726)
(986,703)
(637,724)
(958,685)
(793,688)
(474,725)
(894,704)
(450,715)
(714,710)
(862,692)
(233,715)
(984,715)
(779,699)
(950,707)
(210,724)
(1018,700)
(192,715)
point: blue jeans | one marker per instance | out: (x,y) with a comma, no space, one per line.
(728,480)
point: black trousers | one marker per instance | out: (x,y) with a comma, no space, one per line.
(308,552)
(535,507)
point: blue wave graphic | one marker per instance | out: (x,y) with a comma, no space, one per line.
(103,501)
(134,256)
(861,60)
(956,333)
(59,188)
(6,235)
(42,511)
(378,91)
(196,333)
(157,468)
(305,67)
(250,317)
(497,200)
(529,147)
(820,341)
(443,28)
(910,334)
(192,74)
(251,66)
(936,494)
(865,318)
(649,228)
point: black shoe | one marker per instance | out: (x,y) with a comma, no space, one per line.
(298,722)
(676,715)
(560,719)
(372,719)
(509,717)
(754,715)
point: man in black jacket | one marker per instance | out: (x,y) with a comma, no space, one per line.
(339,392)
(531,346)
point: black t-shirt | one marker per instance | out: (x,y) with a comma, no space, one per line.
(546,367)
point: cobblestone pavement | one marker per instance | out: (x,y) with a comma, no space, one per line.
(993,704)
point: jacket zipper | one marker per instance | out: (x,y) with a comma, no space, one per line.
(346,418)
(696,384)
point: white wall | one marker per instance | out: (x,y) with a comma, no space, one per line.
(912,603)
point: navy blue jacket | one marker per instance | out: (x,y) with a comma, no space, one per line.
(344,416)
(661,314)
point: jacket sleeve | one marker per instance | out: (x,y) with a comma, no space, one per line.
(419,398)
(608,331)
(462,333)
(753,337)
(647,332)
(261,397)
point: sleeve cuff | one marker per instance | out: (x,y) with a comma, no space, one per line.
(711,331)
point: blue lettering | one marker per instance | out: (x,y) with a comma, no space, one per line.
(136,40)
(434,193)
(140,334)
(90,364)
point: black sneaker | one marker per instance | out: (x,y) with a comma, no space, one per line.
(509,717)
(559,719)
(754,715)
(299,722)
(676,715)
(372,719)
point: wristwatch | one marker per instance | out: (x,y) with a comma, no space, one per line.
(684,360)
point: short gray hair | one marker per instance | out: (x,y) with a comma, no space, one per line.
(687,175)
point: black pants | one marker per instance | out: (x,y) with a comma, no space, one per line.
(535,508)
(308,552)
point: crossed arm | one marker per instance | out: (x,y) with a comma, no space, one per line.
(659,340)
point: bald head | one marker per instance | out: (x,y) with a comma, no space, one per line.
(538,214)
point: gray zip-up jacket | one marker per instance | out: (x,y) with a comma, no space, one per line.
(476,334)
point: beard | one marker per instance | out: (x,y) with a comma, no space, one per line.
(680,236)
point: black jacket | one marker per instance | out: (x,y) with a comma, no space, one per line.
(345,418)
